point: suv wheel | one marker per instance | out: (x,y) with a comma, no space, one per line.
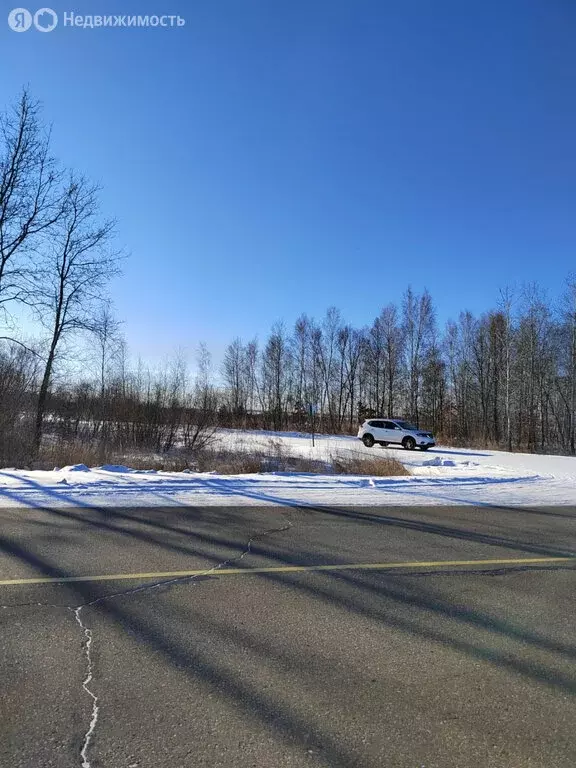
(409,443)
(368,441)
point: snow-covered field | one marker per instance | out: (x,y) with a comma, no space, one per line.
(440,476)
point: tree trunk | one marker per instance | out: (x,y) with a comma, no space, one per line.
(43,397)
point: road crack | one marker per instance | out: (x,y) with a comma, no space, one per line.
(85,683)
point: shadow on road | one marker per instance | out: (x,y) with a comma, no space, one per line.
(397,602)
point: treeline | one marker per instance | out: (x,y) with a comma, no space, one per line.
(117,411)
(504,379)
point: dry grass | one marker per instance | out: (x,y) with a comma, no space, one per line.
(274,458)
(277,460)
(225,462)
(386,467)
(160,462)
(63,454)
(298,464)
(229,462)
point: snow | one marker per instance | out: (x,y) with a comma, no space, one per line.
(125,470)
(439,462)
(441,476)
(75,468)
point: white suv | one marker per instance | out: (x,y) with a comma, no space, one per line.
(385,431)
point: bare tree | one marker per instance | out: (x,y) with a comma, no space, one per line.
(392,336)
(30,197)
(106,330)
(277,374)
(506,303)
(569,322)
(325,344)
(434,387)
(176,380)
(234,372)
(418,325)
(252,385)
(301,349)
(351,343)
(533,337)
(201,424)
(68,287)
(375,349)
(18,371)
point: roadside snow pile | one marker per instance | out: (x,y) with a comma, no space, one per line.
(115,468)
(122,470)
(75,468)
(438,462)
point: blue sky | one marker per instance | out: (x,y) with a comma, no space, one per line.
(270,158)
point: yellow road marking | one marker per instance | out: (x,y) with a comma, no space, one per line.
(285,569)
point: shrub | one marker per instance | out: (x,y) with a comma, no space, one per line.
(385,467)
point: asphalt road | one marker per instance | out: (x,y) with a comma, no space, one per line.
(432,664)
